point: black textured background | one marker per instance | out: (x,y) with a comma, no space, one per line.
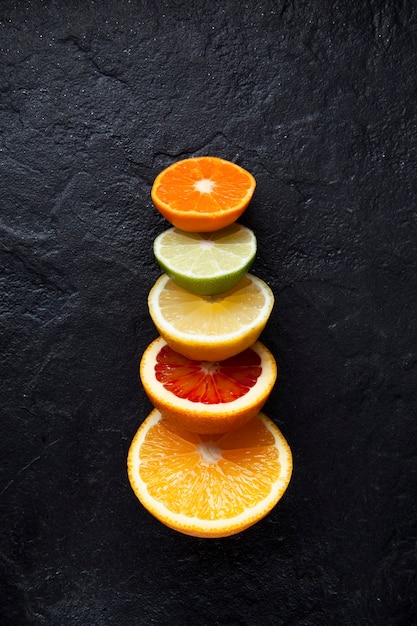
(318,101)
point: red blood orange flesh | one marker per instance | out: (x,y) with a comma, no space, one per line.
(207,396)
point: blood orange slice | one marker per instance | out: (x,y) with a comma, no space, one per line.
(207,396)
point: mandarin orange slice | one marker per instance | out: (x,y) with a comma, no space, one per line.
(202,194)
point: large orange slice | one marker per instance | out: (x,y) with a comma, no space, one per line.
(211,328)
(206,396)
(209,486)
(202,194)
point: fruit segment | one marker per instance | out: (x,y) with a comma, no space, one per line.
(206,461)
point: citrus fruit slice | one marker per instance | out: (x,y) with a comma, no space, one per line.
(206,263)
(210,328)
(209,486)
(202,193)
(207,396)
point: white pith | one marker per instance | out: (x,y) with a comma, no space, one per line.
(210,367)
(209,452)
(206,244)
(256,394)
(216,527)
(204,185)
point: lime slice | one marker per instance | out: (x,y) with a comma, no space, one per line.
(206,263)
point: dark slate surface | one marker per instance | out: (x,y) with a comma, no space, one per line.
(318,101)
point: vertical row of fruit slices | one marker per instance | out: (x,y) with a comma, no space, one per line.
(206,461)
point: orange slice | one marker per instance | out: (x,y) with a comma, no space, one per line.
(210,328)
(207,396)
(202,194)
(209,486)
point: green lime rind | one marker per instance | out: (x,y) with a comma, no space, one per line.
(206,286)
(206,263)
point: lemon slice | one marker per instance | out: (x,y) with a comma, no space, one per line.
(210,328)
(206,263)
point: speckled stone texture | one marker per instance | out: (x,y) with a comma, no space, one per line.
(318,101)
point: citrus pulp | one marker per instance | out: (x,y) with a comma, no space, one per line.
(209,486)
